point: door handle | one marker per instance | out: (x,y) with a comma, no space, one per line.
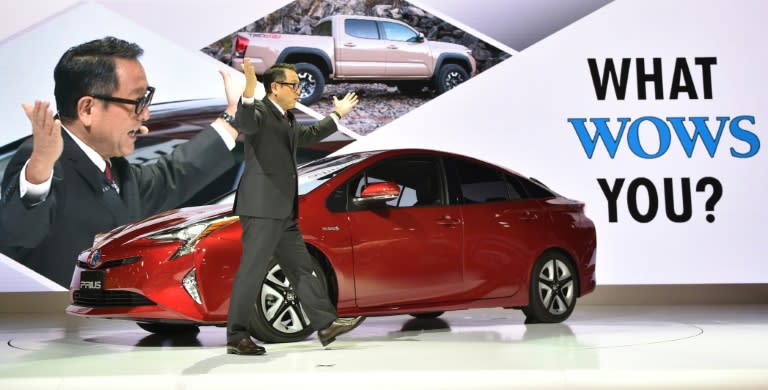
(528,216)
(349,44)
(448,221)
(392,47)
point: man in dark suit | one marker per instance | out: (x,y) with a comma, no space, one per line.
(71,181)
(267,203)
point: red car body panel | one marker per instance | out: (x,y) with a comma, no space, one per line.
(380,261)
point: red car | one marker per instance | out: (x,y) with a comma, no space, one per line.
(391,232)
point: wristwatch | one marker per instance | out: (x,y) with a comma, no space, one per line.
(228,118)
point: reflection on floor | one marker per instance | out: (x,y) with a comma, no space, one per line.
(599,347)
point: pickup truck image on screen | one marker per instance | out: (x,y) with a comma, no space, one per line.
(346,48)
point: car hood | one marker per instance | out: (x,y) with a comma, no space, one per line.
(448,47)
(172,219)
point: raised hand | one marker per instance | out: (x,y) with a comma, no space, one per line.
(47,143)
(345,105)
(250,78)
(233,88)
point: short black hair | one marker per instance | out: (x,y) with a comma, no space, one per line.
(89,69)
(275,73)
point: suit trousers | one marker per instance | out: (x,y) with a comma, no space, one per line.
(263,238)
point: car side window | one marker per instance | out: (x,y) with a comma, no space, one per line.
(514,188)
(481,184)
(361,28)
(419,179)
(323,29)
(534,188)
(398,32)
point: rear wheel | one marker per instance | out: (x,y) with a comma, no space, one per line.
(161,328)
(312,82)
(553,290)
(449,76)
(278,316)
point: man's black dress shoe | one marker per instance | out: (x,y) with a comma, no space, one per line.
(245,346)
(338,327)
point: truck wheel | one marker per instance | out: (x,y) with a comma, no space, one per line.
(449,77)
(312,82)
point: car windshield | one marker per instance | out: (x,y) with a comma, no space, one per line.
(315,173)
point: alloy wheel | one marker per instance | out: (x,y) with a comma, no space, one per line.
(308,85)
(556,286)
(280,304)
(453,79)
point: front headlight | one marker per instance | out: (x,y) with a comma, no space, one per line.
(192,234)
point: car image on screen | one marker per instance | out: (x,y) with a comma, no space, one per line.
(405,231)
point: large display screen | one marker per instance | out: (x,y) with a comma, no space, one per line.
(650,112)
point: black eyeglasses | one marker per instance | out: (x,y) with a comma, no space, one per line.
(295,86)
(140,103)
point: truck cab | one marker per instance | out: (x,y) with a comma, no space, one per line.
(345,48)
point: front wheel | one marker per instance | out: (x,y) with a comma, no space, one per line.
(553,289)
(278,316)
(449,77)
(312,82)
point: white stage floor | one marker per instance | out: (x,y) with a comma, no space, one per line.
(599,347)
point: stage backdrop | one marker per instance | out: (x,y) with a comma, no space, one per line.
(650,112)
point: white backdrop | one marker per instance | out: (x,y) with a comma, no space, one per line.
(517,113)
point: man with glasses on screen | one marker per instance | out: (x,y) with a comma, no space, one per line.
(71,180)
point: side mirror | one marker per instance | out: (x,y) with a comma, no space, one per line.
(377,193)
(420,38)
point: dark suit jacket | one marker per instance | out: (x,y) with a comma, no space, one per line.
(47,237)
(269,185)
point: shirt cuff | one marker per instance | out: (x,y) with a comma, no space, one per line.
(36,193)
(224,134)
(247,100)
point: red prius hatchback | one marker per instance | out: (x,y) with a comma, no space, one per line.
(391,232)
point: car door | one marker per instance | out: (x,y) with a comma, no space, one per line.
(407,54)
(501,229)
(359,50)
(408,251)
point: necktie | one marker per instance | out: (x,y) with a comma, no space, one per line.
(108,174)
(110,178)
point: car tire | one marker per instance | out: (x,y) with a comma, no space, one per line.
(449,76)
(427,316)
(312,82)
(278,316)
(161,328)
(554,287)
